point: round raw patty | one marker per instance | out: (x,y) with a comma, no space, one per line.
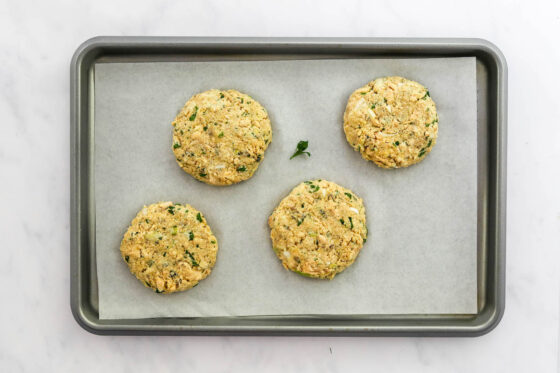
(318,229)
(169,247)
(391,121)
(220,137)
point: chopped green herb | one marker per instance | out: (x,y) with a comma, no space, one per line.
(241,169)
(221,134)
(351,224)
(423,150)
(396,143)
(165,254)
(348,195)
(214,242)
(205,128)
(365,239)
(373,106)
(191,236)
(193,116)
(174,230)
(341,221)
(303,274)
(171,210)
(363,93)
(172,274)
(126,258)
(259,157)
(202,174)
(176,145)
(147,221)
(159,291)
(299,221)
(193,260)
(199,217)
(313,188)
(221,95)
(429,124)
(426,95)
(300,149)
(150,263)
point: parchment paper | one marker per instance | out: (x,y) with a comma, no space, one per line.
(420,256)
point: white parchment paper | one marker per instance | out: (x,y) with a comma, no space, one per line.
(420,256)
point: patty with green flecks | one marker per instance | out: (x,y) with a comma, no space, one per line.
(169,247)
(220,137)
(392,122)
(319,229)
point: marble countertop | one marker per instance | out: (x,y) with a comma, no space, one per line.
(37,40)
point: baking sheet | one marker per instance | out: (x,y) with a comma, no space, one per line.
(420,256)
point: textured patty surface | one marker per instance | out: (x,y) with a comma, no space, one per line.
(169,247)
(391,121)
(318,229)
(220,137)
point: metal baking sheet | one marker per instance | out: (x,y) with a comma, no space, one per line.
(197,49)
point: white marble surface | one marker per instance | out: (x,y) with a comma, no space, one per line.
(37,331)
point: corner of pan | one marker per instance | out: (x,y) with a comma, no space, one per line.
(85,320)
(492,51)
